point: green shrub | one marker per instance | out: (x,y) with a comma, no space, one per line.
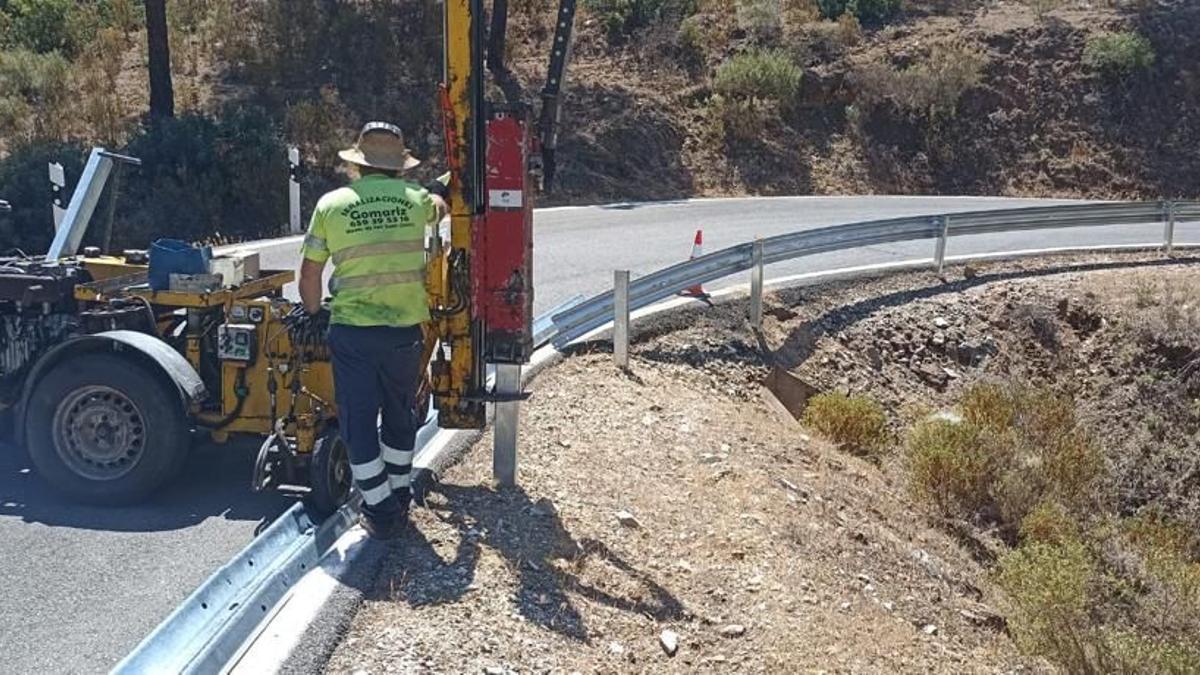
(952,466)
(1015,450)
(23,184)
(866,11)
(1111,609)
(1049,523)
(64,26)
(693,40)
(1151,533)
(857,425)
(766,75)
(621,17)
(761,19)
(41,26)
(1134,653)
(931,87)
(990,405)
(1118,54)
(738,121)
(1055,457)
(1042,7)
(33,88)
(205,179)
(1050,587)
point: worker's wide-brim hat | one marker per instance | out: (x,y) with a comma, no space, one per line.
(381,146)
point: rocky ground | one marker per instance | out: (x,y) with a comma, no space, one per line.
(672,518)
(669,522)
(675,518)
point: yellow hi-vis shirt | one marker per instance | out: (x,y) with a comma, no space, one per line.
(374,231)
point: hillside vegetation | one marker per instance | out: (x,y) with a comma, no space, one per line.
(666,98)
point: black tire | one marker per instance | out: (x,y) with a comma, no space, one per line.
(104,430)
(328,476)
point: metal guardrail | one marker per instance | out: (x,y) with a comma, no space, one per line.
(207,630)
(598,311)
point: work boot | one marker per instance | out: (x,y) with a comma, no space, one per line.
(386,521)
(403,497)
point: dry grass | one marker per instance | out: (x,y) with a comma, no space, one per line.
(1049,523)
(1113,599)
(1163,311)
(931,87)
(1014,449)
(855,424)
(1051,589)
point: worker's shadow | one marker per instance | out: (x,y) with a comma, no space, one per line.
(536,547)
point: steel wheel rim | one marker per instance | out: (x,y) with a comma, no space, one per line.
(99,433)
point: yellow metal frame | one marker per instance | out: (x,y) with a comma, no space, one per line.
(315,407)
(456,330)
(133,285)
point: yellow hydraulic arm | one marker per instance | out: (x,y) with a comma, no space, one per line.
(483,299)
(459,378)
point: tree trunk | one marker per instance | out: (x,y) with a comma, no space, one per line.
(162,92)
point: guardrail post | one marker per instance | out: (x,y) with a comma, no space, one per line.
(1168,227)
(295,225)
(621,318)
(756,285)
(508,417)
(939,255)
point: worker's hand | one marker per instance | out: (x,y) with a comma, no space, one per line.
(440,207)
(301,316)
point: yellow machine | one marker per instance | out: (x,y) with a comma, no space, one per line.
(105,379)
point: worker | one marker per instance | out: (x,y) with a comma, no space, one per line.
(374,232)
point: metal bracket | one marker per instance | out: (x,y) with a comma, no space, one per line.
(500,397)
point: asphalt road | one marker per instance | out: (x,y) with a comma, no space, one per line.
(81,585)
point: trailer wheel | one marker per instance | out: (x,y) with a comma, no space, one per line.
(329,475)
(103,430)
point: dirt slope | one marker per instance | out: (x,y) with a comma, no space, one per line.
(676,497)
(761,548)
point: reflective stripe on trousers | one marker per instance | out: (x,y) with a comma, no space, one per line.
(399,466)
(372,481)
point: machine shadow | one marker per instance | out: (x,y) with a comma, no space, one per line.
(214,483)
(536,546)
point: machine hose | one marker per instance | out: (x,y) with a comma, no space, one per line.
(242,392)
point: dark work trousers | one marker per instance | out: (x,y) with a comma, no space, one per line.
(376,370)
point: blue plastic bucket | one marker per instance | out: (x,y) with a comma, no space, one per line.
(172,256)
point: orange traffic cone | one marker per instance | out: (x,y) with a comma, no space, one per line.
(697,291)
